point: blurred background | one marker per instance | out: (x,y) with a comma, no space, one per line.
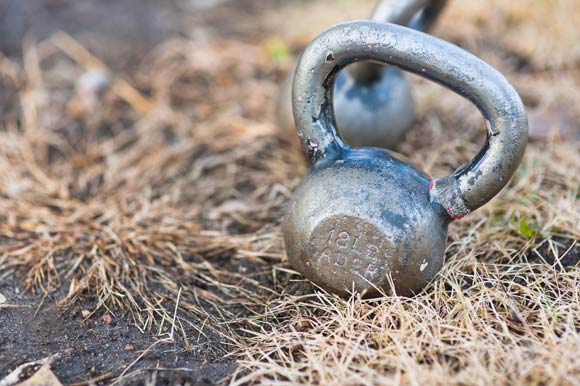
(123,33)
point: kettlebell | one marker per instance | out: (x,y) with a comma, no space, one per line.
(373,103)
(363,220)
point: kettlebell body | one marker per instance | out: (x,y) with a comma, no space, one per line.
(373,104)
(378,112)
(364,216)
(363,220)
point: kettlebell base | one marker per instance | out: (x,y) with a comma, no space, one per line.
(349,253)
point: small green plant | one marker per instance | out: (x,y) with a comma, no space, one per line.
(278,51)
(530,231)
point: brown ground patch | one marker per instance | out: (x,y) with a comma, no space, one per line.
(157,200)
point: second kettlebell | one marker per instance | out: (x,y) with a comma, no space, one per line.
(373,103)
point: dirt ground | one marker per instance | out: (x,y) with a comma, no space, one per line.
(144,182)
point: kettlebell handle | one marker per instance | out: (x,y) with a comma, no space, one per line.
(470,186)
(416,14)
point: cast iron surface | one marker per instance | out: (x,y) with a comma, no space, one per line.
(373,103)
(363,220)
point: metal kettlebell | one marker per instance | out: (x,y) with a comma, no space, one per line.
(362,219)
(373,103)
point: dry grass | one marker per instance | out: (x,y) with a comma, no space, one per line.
(133,195)
(127,197)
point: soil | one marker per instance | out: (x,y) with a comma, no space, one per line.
(108,347)
(559,252)
(102,346)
